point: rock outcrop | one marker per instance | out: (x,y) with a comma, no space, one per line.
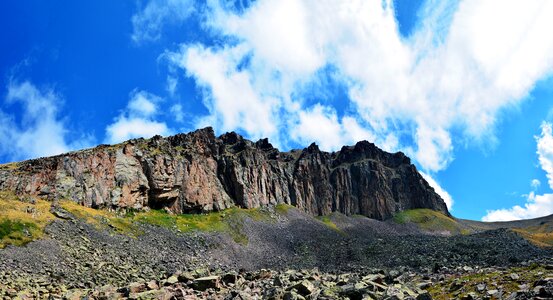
(199,172)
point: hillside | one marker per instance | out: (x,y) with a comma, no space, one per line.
(87,250)
(196,216)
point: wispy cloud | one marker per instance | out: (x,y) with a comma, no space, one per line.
(137,119)
(536,205)
(40,131)
(150,20)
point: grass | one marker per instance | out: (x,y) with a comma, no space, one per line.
(493,280)
(228,221)
(430,220)
(22,222)
(327,220)
(283,208)
(541,235)
(102,219)
(9,166)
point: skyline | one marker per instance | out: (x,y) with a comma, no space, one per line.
(460,87)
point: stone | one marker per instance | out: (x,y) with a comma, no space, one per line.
(424,296)
(229,278)
(481,287)
(185,277)
(204,283)
(305,287)
(291,295)
(60,213)
(172,280)
(514,276)
(137,287)
(455,285)
(152,285)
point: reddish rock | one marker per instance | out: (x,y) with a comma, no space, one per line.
(198,172)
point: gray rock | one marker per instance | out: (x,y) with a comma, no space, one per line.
(204,283)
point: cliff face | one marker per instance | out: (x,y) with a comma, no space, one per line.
(198,172)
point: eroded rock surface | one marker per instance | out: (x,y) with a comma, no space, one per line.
(199,172)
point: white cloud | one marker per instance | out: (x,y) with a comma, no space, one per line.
(536,205)
(545,151)
(143,104)
(124,129)
(230,96)
(178,114)
(40,131)
(439,190)
(137,120)
(149,22)
(463,66)
(535,183)
(171,85)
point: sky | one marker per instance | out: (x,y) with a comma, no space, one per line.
(464,88)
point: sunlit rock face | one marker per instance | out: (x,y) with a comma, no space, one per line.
(199,172)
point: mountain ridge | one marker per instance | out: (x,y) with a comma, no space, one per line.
(199,172)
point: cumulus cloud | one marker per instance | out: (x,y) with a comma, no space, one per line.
(461,68)
(40,131)
(536,205)
(137,119)
(149,22)
(439,190)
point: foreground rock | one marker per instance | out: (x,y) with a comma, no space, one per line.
(533,283)
(198,172)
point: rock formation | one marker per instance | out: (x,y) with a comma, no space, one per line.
(198,172)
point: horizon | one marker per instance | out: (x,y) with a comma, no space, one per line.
(461,88)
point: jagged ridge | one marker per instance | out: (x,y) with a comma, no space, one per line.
(198,172)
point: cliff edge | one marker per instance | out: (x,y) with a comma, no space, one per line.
(199,172)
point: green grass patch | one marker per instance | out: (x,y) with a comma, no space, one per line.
(9,166)
(22,221)
(103,219)
(17,233)
(441,290)
(283,208)
(327,220)
(430,220)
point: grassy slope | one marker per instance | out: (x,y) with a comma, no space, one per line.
(537,231)
(229,221)
(431,221)
(22,221)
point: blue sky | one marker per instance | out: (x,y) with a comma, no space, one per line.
(463,88)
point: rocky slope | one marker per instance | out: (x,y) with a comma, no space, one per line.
(199,172)
(269,253)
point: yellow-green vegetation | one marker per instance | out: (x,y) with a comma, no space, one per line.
(467,283)
(283,208)
(228,221)
(22,221)
(9,166)
(431,221)
(541,235)
(102,219)
(327,220)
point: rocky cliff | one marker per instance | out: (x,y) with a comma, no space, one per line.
(199,172)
